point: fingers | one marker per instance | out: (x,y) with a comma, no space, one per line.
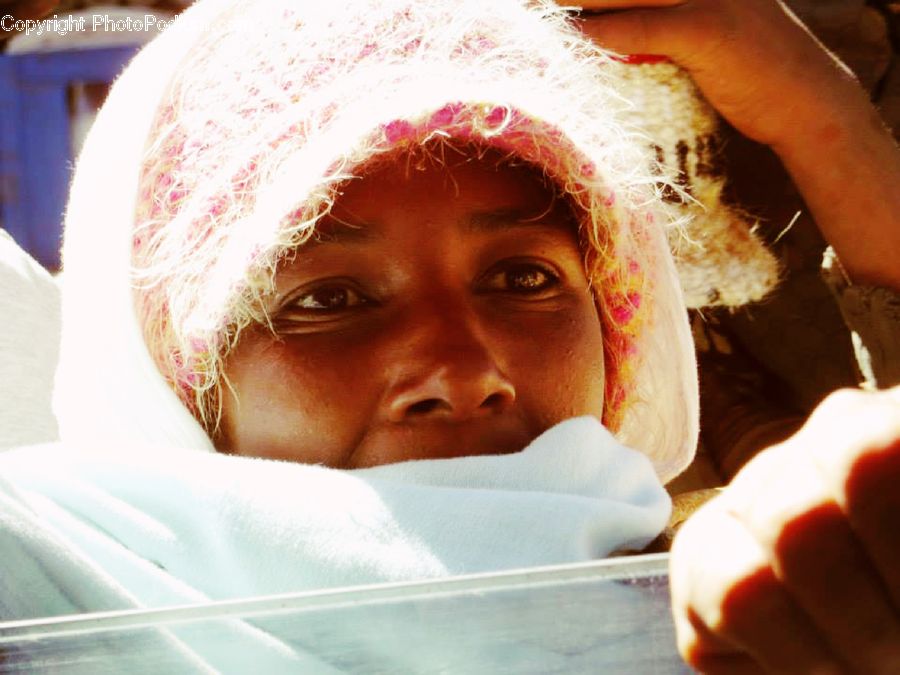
(688,33)
(812,548)
(640,31)
(742,55)
(820,564)
(732,613)
(807,544)
(864,482)
(873,507)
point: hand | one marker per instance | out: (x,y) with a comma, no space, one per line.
(759,66)
(755,62)
(796,566)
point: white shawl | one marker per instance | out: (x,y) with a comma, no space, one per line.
(88,531)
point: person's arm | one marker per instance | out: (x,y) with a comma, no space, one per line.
(763,71)
(847,168)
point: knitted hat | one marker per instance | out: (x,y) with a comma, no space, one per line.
(720,259)
(242,156)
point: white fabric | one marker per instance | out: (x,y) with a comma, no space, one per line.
(29,344)
(102,353)
(106,530)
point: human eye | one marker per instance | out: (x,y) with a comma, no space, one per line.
(520,277)
(327,301)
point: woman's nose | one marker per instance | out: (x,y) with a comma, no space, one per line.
(448,371)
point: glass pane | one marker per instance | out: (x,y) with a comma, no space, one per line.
(605,617)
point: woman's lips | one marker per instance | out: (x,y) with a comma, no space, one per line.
(439,439)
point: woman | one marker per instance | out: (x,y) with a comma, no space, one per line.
(389,232)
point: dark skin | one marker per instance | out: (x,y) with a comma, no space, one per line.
(443,311)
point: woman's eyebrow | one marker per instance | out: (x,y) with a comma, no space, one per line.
(509,218)
(333,231)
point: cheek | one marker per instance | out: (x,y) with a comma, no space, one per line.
(297,400)
(587,369)
(560,373)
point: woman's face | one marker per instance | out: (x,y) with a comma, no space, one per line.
(440,312)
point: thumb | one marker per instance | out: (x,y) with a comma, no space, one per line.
(669,31)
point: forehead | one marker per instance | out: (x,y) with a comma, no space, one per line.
(417,209)
(476,192)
